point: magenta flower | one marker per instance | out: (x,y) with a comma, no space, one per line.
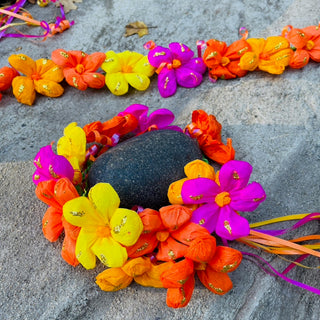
(51,166)
(176,65)
(158,119)
(221,203)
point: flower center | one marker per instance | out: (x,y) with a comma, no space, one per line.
(162,235)
(310,45)
(222,199)
(225,61)
(126,69)
(175,64)
(264,56)
(80,68)
(35,76)
(104,232)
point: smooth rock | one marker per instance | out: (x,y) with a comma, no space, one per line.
(142,168)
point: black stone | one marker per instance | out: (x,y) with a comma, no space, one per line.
(142,168)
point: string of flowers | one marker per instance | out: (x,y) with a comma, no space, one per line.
(162,248)
(175,66)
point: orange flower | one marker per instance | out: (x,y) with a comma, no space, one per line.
(307,44)
(42,76)
(223,61)
(6,76)
(80,68)
(56,194)
(271,55)
(207,130)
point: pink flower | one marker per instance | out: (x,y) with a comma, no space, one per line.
(221,202)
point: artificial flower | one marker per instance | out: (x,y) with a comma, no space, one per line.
(223,60)
(42,76)
(207,130)
(158,119)
(7,75)
(176,65)
(126,68)
(271,55)
(55,194)
(73,147)
(306,43)
(105,228)
(222,201)
(192,170)
(157,232)
(51,166)
(79,68)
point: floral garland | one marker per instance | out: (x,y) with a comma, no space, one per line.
(175,65)
(162,248)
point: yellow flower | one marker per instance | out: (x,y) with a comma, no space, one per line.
(42,76)
(104,227)
(73,147)
(127,68)
(271,55)
(194,169)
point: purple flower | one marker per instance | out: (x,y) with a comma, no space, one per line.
(221,203)
(176,65)
(159,119)
(51,166)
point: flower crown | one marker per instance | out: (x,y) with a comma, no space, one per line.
(164,247)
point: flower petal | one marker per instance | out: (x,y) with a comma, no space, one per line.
(68,251)
(159,55)
(7,74)
(188,78)
(74,79)
(80,212)
(249,198)
(206,216)
(230,225)
(161,118)
(110,252)
(48,88)
(126,226)
(23,90)
(226,259)
(202,249)
(22,63)
(174,216)
(234,175)
(167,83)
(137,267)
(170,250)
(180,297)
(189,232)
(105,199)
(138,81)
(113,279)
(199,169)
(197,65)
(146,243)
(51,224)
(48,70)
(174,191)
(178,274)
(111,63)
(199,190)
(94,80)
(92,62)
(217,282)
(181,52)
(143,67)
(63,58)
(117,83)
(151,278)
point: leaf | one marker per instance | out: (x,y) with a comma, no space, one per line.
(137,27)
(68,4)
